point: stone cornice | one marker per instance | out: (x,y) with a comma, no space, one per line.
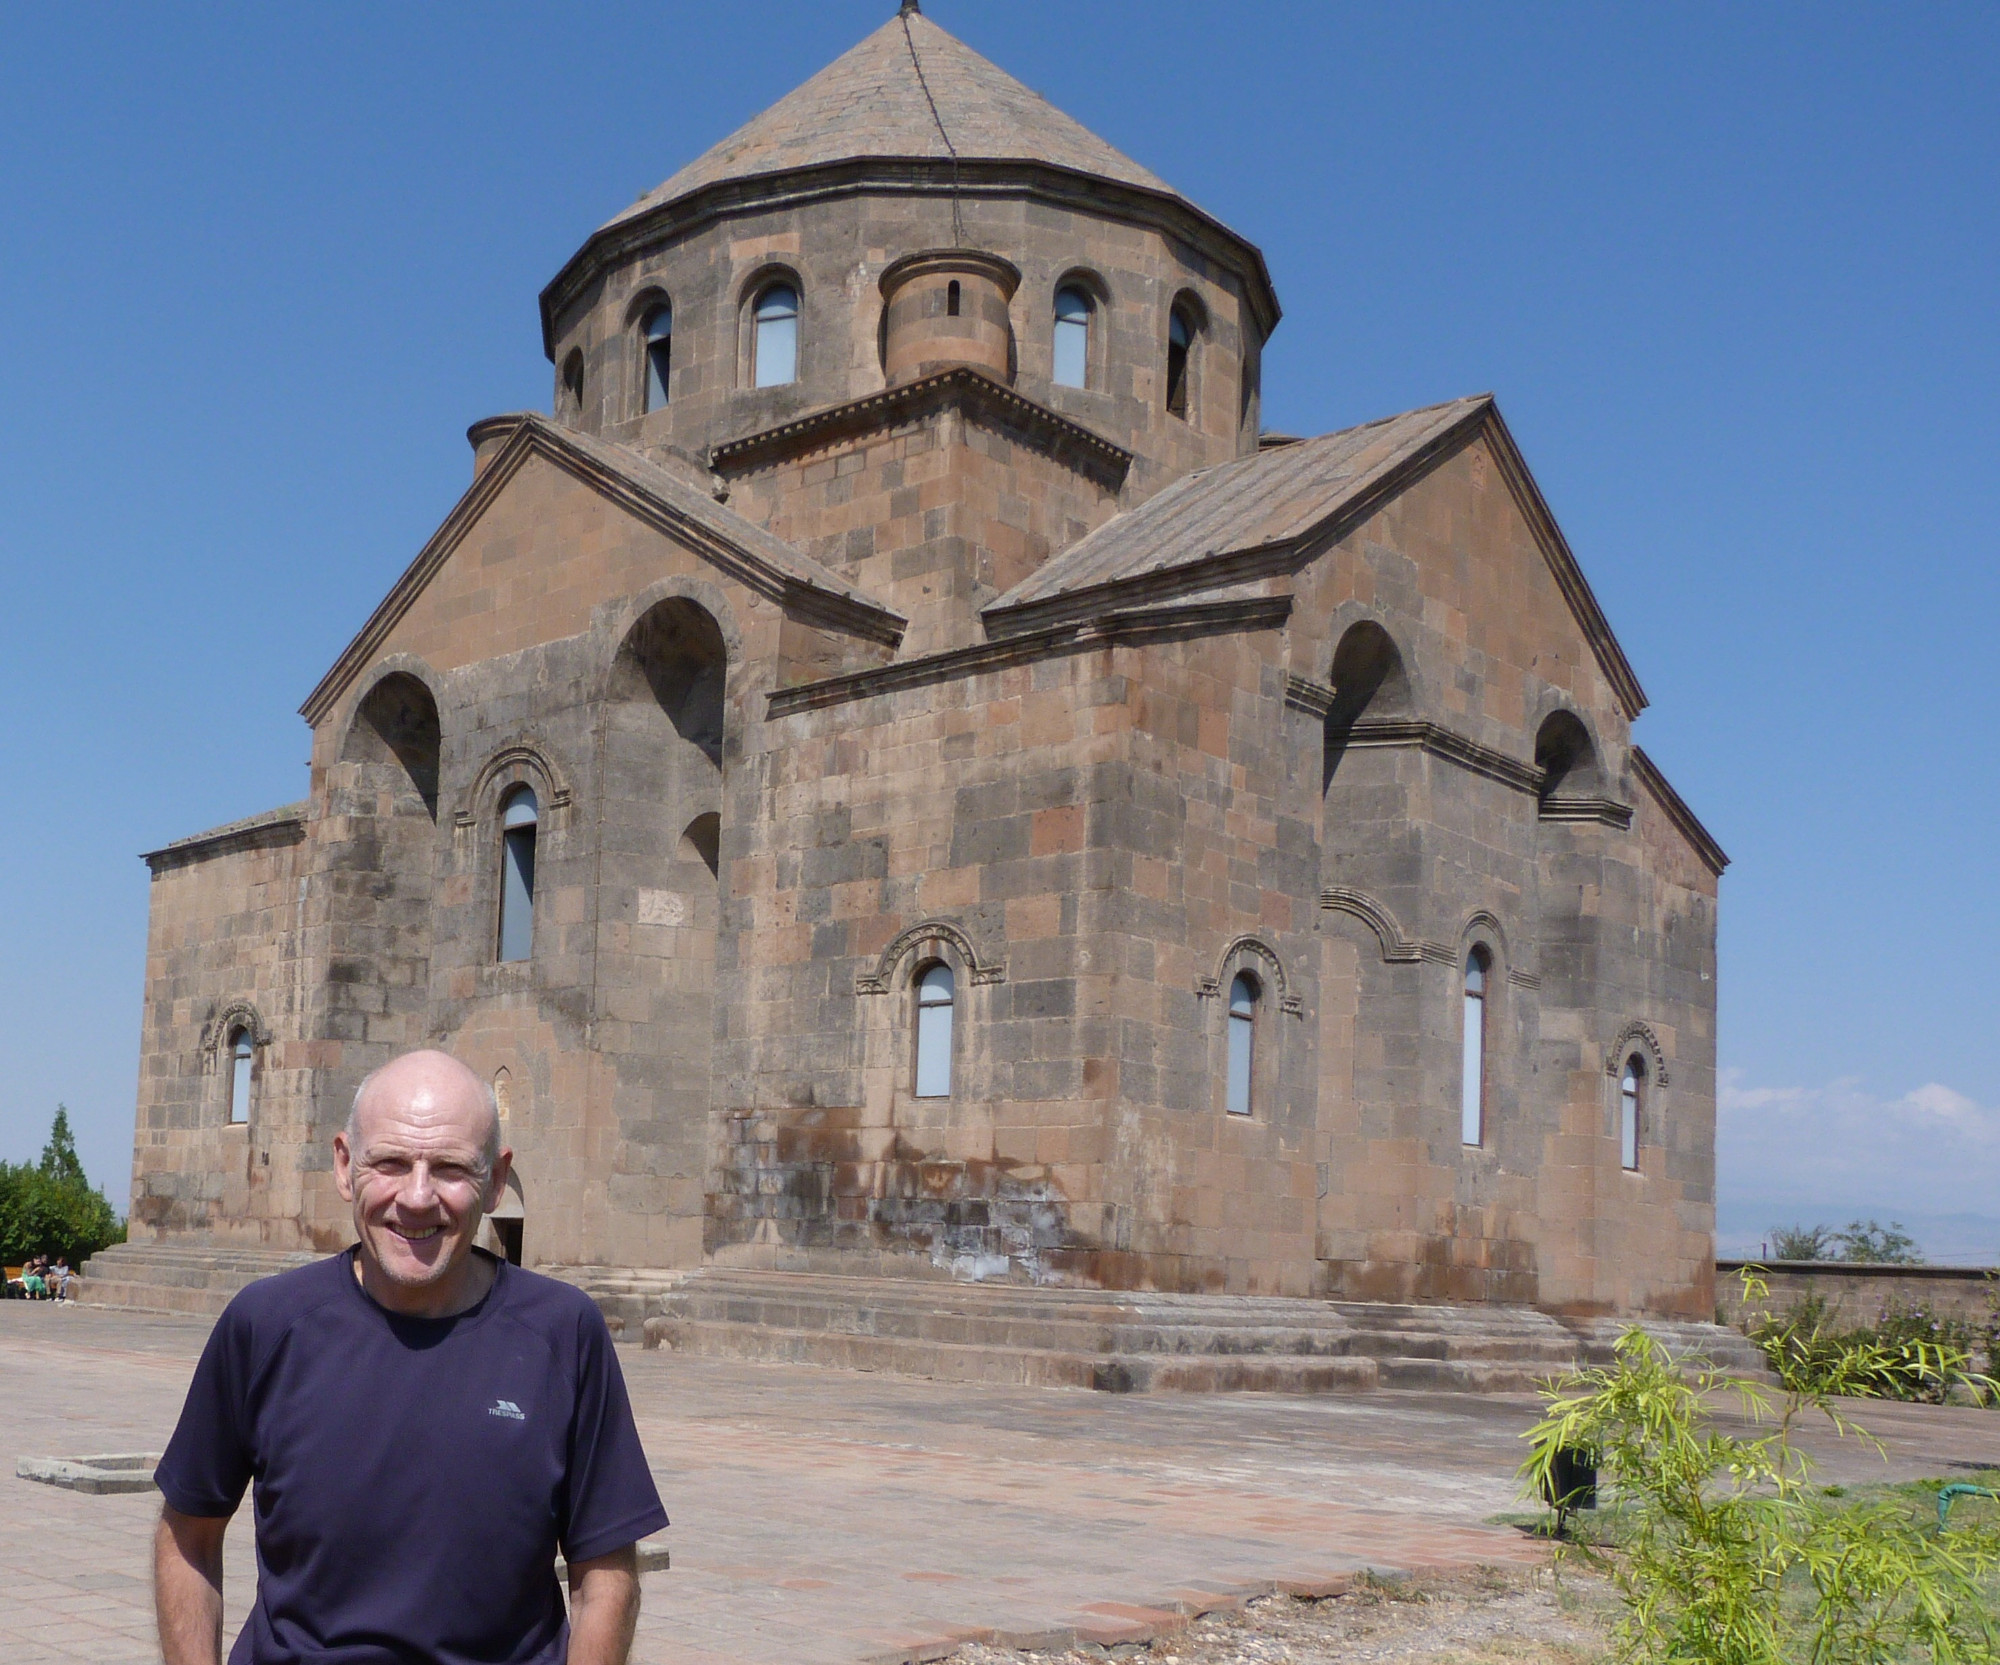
(1147,624)
(275,827)
(970,389)
(1450,745)
(1685,821)
(536,436)
(968,177)
(1606,811)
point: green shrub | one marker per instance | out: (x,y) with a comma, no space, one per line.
(1726,1554)
(50,1208)
(1913,1354)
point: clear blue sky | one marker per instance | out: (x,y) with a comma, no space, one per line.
(1731,271)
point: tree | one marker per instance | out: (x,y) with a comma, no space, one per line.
(1801,1242)
(1866,1240)
(50,1207)
(59,1159)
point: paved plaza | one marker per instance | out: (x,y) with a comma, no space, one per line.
(827,1516)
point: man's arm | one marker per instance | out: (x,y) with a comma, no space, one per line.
(603,1608)
(187,1586)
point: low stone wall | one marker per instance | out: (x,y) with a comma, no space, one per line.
(1860,1294)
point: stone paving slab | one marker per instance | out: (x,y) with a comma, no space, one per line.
(826,1516)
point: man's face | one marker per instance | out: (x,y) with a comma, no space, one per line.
(416,1171)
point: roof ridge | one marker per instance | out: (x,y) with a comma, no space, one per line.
(883,97)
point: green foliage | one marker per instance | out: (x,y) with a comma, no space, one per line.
(1913,1354)
(1868,1241)
(50,1208)
(1728,1555)
(59,1158)
(1802,1243)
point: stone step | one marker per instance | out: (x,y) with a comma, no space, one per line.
(1014,1367)
(1124,1340)
(177,1278)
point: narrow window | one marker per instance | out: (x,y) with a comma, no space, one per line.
(951,299)
(934,999)
(659,328)
(1242,1041)
(518,817)
(242,1055)
(1472,1084)
(1631,1093)
(572,378)
(1178,338)
(1072,337)
(776,346)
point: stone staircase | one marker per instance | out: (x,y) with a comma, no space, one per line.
(1124,1341)
(1114,1341)
(190,1276)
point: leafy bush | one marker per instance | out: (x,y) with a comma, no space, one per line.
(1727,1555)
(1890,1245)
(1802,1243)
(50,1208)
(1867,1241)
(1913,1354)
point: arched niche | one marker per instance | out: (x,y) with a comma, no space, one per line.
(1567,758)
(1369,682)
(676,656)
(396,728)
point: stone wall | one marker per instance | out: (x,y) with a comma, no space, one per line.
(223,953)
(1859,1295)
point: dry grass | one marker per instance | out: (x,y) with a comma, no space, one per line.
(1481,1618)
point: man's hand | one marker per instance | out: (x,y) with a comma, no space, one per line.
(603,1608)
(187,1587)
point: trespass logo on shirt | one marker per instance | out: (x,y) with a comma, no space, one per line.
(508,1409)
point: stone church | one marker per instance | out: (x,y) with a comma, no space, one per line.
(901,772)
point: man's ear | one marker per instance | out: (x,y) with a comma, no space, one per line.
(343,1168)
(496,1184)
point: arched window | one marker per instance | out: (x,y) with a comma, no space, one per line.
(1472,1083)
(572,381)
(519,816)
(242,1062)
(659,332)
(1180,339)
(934,1003)
(1072,336)
(1243,994)
(1631,1105)
(951,299)
(775,344)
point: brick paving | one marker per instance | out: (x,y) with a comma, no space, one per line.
(826,1516)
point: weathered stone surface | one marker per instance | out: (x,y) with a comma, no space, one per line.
(1097,704)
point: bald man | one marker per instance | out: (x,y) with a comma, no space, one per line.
(426,1425)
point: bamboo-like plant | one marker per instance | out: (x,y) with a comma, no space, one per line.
(1727,1554)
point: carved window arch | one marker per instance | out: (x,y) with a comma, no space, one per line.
(936,939)
(235,1040)
(1251,992)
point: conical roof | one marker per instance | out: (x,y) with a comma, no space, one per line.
(909,90)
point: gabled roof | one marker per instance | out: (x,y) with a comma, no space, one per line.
(1267,512)
(889,97)
(650,493)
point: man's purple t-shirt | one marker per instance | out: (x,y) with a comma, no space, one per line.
(414,1476)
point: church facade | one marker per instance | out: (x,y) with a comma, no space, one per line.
(900,773)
